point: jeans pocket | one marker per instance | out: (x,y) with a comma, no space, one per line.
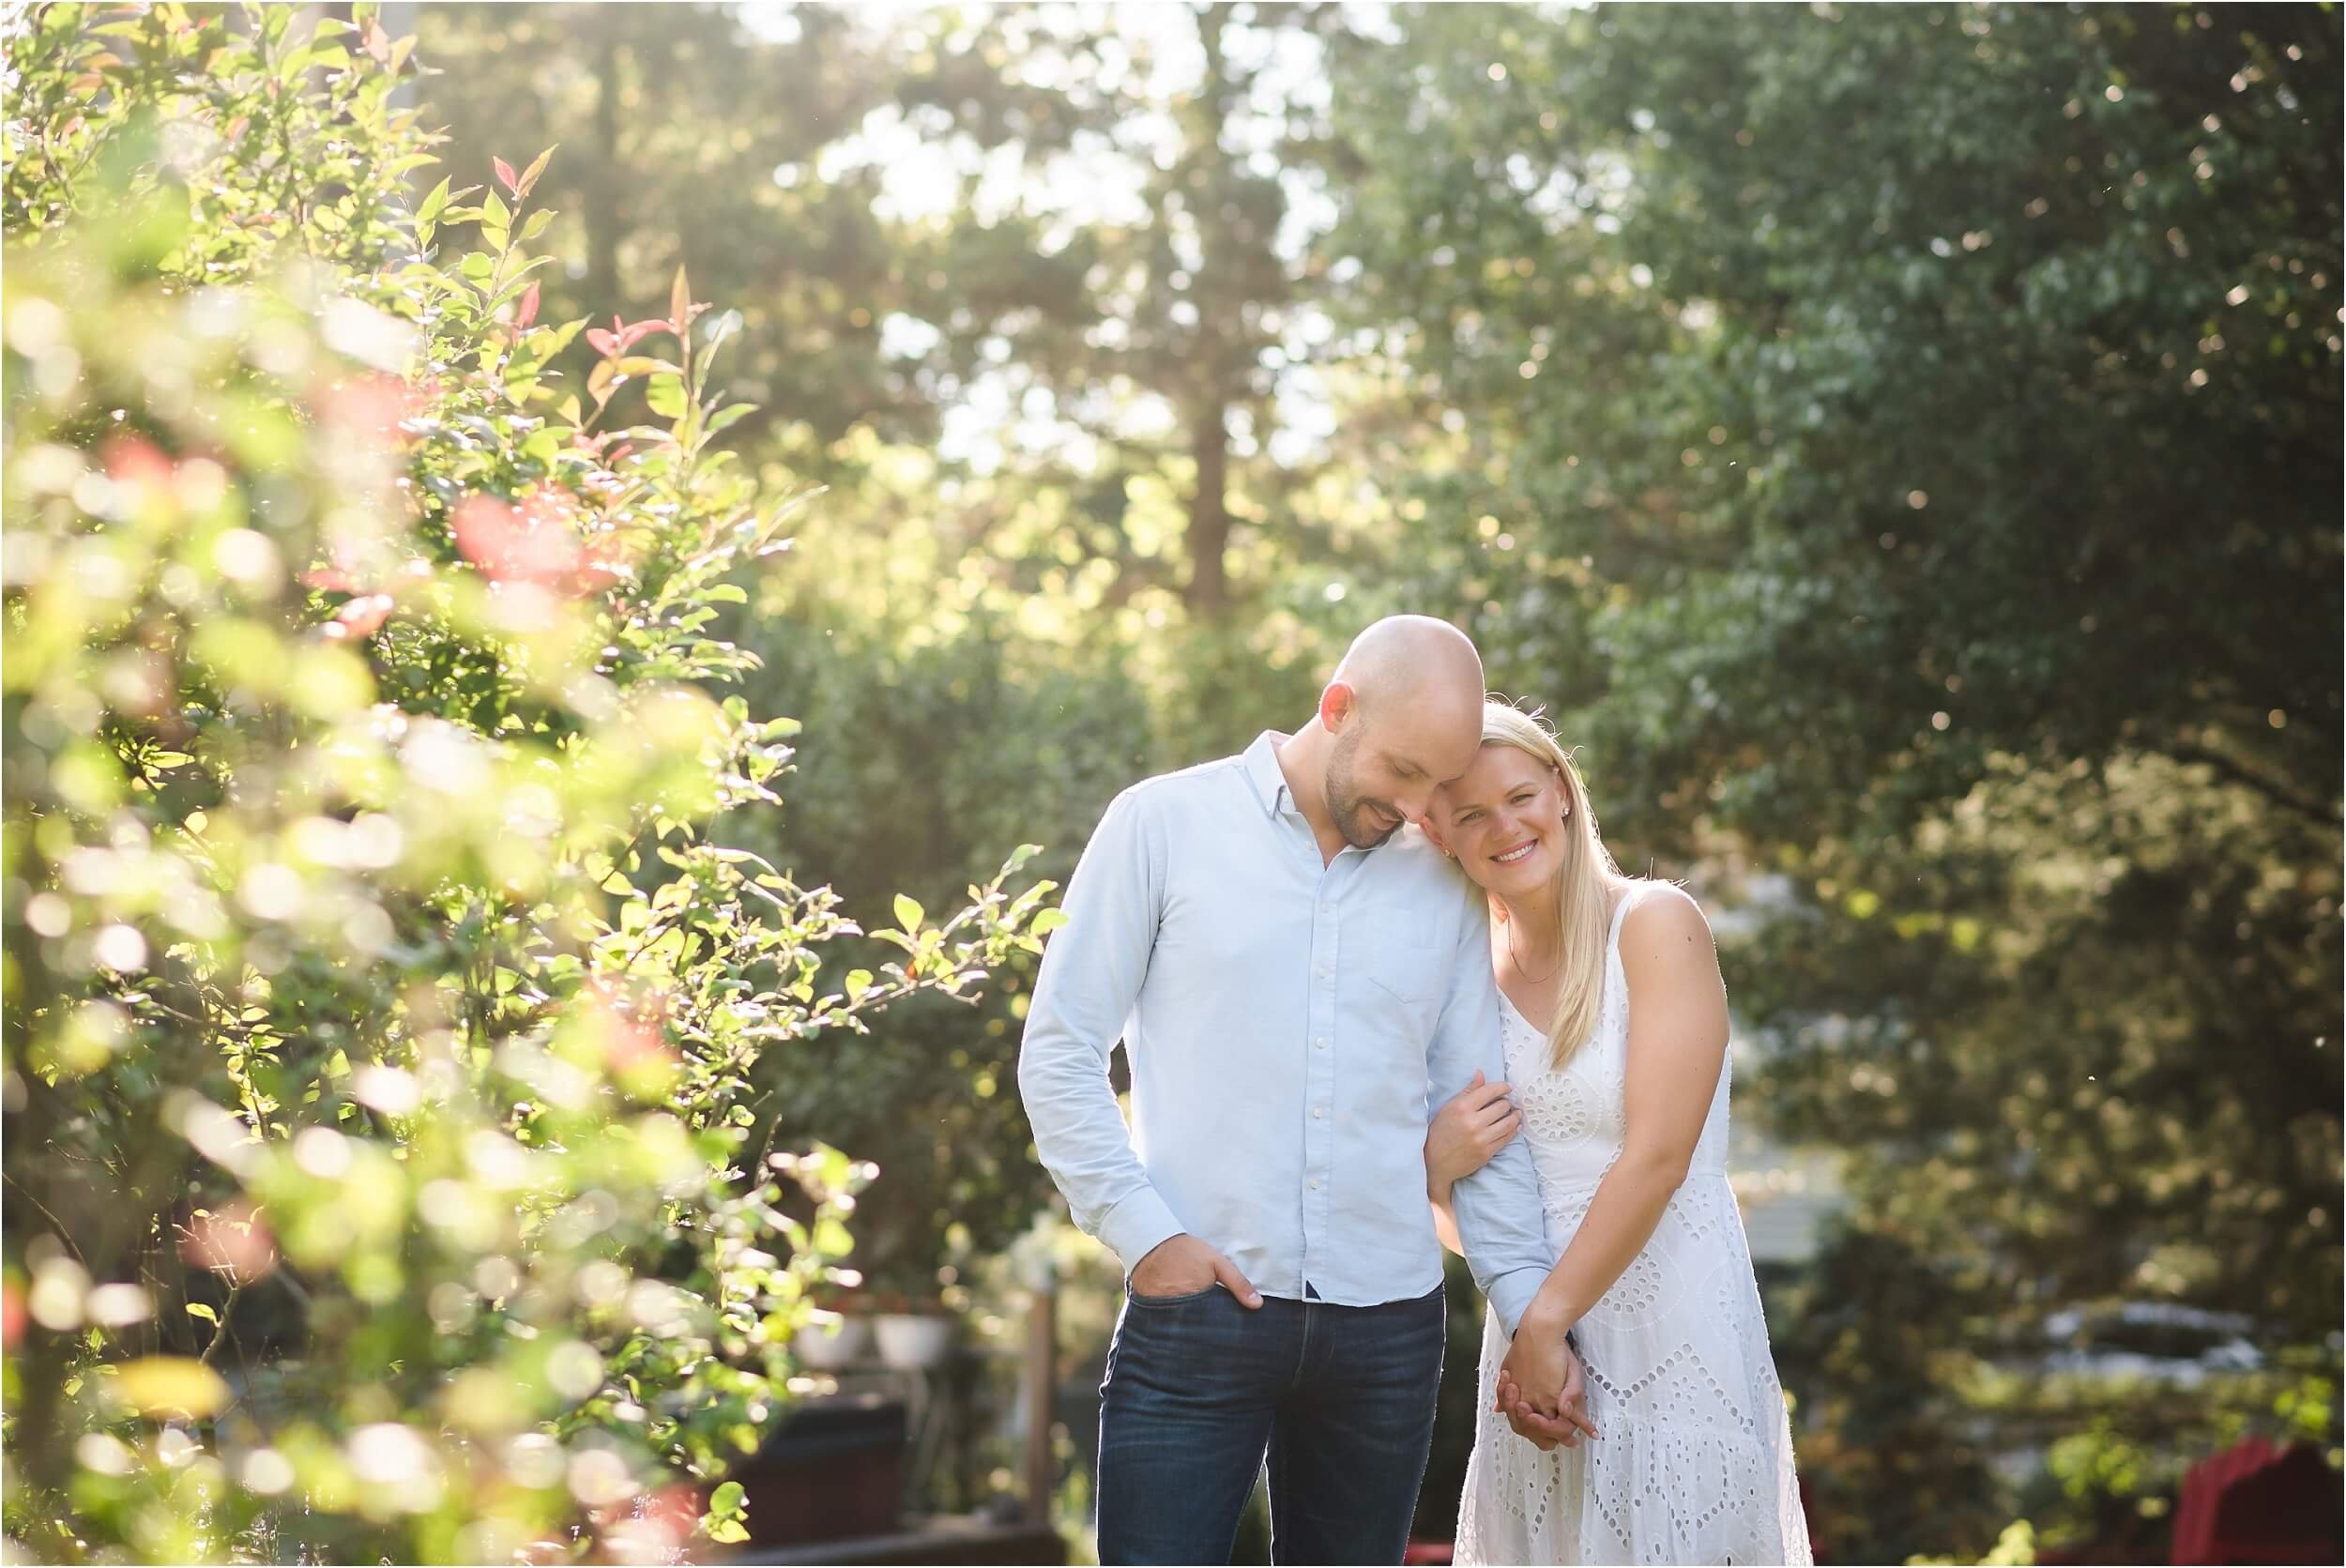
(1138,1300)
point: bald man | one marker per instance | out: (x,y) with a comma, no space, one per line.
(1298,978)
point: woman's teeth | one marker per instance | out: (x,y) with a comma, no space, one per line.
(1516,853)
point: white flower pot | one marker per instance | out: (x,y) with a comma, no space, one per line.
(913,1342)
(830,1341)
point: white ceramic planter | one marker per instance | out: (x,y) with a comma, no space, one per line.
(830,1341)
(913,1342)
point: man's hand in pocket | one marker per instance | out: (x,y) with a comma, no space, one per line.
(1184,1265)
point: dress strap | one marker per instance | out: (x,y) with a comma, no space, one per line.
(1629,900)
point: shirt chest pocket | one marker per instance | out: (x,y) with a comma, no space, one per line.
(1405,964)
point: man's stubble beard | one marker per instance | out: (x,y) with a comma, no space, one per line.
(1345,808)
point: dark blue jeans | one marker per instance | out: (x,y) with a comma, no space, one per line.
(1198,1389)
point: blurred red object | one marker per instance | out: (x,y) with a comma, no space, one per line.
(2258,1502)
(1427,1551)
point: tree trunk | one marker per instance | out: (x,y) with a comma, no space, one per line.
(1208,509)
(598,202)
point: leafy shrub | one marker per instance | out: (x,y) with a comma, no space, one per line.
(379,1178)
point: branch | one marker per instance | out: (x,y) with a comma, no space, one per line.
(2321,814)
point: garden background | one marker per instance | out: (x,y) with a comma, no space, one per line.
(511,768)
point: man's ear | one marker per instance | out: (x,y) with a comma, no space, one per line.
(1338,704)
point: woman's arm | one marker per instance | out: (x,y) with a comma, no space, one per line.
(1677,1045)
(1459,1141)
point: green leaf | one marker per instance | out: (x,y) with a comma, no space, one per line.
(197,1309)
(665,396)
(908,913)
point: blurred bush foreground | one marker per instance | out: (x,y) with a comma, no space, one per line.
(382,1179)
(1899,445)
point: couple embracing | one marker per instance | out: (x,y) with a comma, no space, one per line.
(1382,990)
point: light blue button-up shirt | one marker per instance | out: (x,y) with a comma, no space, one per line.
(1289,1026)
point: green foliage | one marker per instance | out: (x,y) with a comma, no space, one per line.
(977,206)
(1956,548)
(2014,1548)
(381,1173)
(921,755)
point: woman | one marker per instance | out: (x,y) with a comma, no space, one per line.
(1615,1024)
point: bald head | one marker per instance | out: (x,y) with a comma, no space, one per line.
(1414,662)
(1406,712)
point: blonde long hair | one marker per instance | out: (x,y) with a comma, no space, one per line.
(1584,883)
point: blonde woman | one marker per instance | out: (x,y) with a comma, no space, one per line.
(1614,1020)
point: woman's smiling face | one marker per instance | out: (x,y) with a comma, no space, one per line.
(1504,819)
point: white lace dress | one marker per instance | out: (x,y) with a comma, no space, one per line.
(1695,1460)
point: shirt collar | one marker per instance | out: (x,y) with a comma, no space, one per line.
(1261,761)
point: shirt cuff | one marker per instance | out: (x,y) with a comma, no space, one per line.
(1138,1225)
(1510,1295)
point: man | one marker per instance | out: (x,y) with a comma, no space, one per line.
(1297,979)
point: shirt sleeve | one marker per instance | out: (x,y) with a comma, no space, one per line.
(1501,1225)
(1090,976)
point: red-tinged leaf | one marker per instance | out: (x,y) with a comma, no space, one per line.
(377,42)
(504,174)
(361,617)
(602,342)
(134,461)
(235,1242)
(679,303)
(527,311)
(513,546)
(329,579)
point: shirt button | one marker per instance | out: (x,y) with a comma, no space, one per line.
(1321,1043)
(1322,971)
(1315,1113)
(1314,1184)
